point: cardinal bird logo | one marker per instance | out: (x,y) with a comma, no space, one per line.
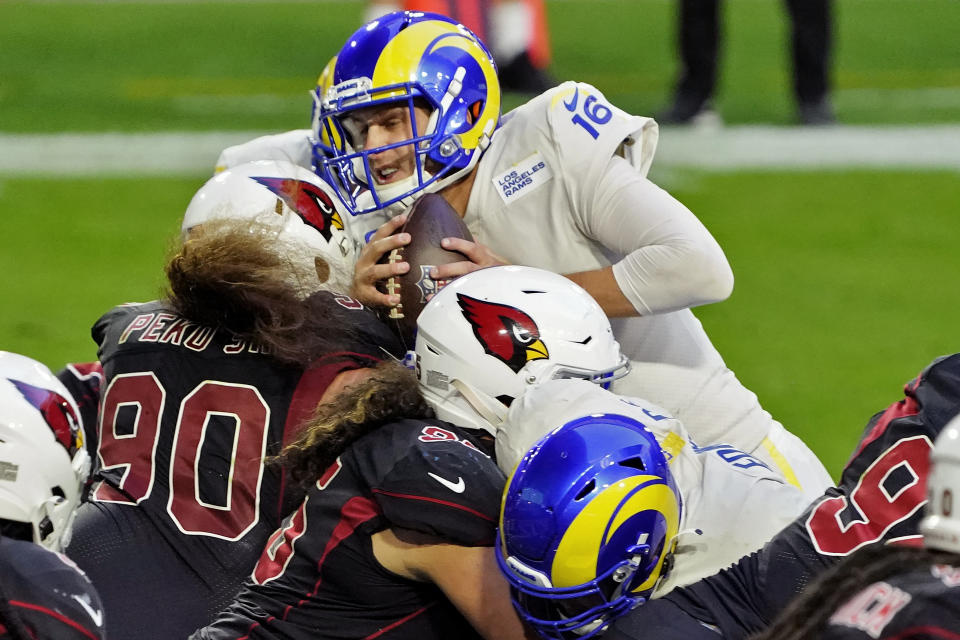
(309,202)
(505,332)
(56,411)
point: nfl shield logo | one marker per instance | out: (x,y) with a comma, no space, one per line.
(427,285)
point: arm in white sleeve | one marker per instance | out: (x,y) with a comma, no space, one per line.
(289,146)
(670,259)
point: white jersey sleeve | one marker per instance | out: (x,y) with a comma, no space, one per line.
(552,192)
(586,131)
(735,507)
(550,405)
(290,146)
(562,187)
(732,503)
(671,261)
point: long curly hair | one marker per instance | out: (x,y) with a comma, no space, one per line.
(806,617)
(239,275)
(390,393)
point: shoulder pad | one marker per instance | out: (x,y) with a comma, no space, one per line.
(432,477)
(585,126)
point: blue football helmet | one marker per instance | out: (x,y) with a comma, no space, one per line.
(588,525)
(406,59)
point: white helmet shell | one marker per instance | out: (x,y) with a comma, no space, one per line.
(43,463)
(305,209)
(489,335)
(941,526)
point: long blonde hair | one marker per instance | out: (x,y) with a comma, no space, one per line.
(238,275)
(390,394)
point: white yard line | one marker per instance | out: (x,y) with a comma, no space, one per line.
(753,147)
(721,149)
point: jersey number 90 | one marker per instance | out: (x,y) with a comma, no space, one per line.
(135,452)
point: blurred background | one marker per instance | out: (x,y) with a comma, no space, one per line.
(843,239)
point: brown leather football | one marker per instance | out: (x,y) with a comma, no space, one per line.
(430,220)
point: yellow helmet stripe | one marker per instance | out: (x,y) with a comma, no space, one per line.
(575,561)
(395,62)
(393,66)
(663,496)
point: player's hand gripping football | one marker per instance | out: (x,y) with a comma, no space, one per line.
(480,256)
(368,272)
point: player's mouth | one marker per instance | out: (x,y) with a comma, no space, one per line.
(387,175)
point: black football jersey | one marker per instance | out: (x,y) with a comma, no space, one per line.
(183,500)
(44,595)
(923,603)
(880,497)
(318,577)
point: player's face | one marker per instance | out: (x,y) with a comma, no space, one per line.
(385,125)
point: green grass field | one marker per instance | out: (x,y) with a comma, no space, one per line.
(846,280)
(90,66)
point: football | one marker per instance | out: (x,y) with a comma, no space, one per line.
(430,220)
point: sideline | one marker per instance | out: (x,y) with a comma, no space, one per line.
(722,149)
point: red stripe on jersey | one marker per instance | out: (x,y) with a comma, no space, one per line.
(399,622)
(915,542)
(906,407)
(354,513)
(437,501)
(57,616)
(84,370)
(306,396)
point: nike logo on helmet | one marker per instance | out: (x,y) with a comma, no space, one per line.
(457,487)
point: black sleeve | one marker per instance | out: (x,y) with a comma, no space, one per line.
(102,326)
(441,484)
(661,619)
(44,593)
(357,325)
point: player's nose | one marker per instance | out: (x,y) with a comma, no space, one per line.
(376,137)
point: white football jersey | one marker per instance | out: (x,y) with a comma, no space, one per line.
(531,203)
(732,503)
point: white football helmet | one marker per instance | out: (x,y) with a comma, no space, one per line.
(489,335)
(43,463)
(941,526)
(305,210)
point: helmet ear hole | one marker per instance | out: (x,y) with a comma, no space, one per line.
(586,490)
(634,463)
(16,530)
(45,528)
(474,111)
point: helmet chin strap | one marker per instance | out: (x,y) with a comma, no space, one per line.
(490,409)
(387,192)
(394,189)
